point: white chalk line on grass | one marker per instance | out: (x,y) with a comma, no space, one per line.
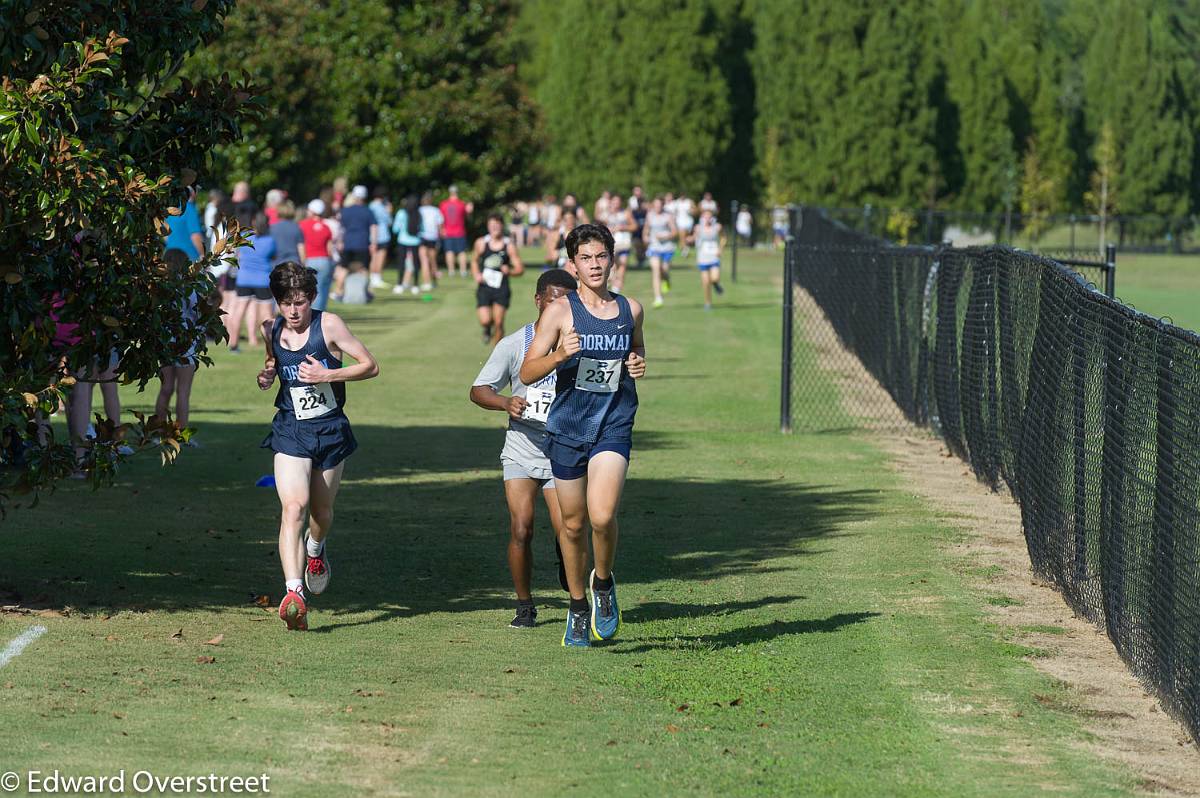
(19,643)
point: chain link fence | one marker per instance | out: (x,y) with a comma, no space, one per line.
(1087,410)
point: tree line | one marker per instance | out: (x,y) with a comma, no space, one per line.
(956,104)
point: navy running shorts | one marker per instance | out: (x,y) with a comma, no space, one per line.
(569,458)
(325,441)
(455,244)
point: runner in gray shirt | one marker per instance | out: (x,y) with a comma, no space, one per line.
(526,467)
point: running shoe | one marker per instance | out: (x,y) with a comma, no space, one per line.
(606,615)
(576,635)
(717,287)
(666,284)
(398,289)
(414,290)
(293,612)
(316,572)
(526,617)
(658,302)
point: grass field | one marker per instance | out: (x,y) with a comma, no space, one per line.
(794,622)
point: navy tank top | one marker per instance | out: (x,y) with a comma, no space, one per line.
(305,400)
(594,392)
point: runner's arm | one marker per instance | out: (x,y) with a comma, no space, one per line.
(636,362)
(266,377)
(475,260)
(338,336)
(554,327)
(514,257)
(496,375)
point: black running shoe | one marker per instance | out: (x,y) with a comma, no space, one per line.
(562,569)
(717,287)
(526,617)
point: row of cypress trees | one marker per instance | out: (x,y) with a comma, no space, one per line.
(969,104)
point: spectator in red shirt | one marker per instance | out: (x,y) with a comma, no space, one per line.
(454,231)
(317,238)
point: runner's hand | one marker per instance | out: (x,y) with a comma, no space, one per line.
(636,365)
(516,406)
(570,345)
(312,371)
(266,377)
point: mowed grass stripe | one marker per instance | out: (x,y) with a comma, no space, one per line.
(794,623)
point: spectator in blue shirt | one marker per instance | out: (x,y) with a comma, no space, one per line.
(254,300)
(186,233)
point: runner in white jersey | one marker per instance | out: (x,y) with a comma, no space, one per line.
(600,208)
(526,466)
(659,234)
(685,220)
(709,241)
(620,222)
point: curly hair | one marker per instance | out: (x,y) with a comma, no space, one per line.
(289,277)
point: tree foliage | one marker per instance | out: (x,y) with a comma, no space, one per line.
(411,95)
(95,155)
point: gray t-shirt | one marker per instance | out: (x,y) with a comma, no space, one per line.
(523,442)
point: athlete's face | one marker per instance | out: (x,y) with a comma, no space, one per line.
(495,228)
(551,293)
(592,262)
(296,310)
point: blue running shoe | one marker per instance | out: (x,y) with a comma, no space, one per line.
(606,615)
(576,635)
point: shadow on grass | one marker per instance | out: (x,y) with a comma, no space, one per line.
(421,528)
(747,635)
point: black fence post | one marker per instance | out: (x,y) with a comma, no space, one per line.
(785,383)
(1110,271)
(1072,234)
(733,255)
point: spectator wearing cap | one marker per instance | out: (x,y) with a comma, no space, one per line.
(318,239)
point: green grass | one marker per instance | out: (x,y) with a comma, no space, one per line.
(794,622)
(1162,286)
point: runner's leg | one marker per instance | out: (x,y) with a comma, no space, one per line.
(162,404)
(292,482)
(323,488)
(498,312)
(520,494)
(605,483)
(572,502)
(656,278)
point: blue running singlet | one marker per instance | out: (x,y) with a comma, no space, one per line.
(595,396)
(304,400)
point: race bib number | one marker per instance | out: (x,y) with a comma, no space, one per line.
(312,401)
(598,376)
(493,277)
(710,252)
(538,404)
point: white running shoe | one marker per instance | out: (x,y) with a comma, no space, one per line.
(398,289)
(316,571)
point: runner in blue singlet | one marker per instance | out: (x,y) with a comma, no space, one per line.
(593,338)
(310,434)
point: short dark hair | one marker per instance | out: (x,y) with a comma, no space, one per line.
(589,232)
(289,277)
(497,217)
(560,277)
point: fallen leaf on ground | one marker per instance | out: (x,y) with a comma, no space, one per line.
(672,728)
(205,660)
(737,702)
(683,708)
(178,635)
(111,638)
(216,641)
(262,601)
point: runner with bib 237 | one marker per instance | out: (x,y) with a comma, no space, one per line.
(593,338)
